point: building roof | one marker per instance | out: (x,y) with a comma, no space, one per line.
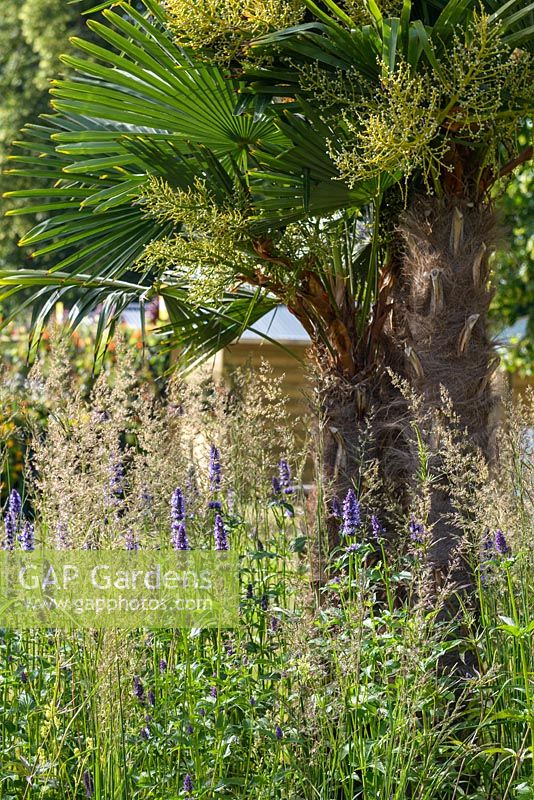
(278,324)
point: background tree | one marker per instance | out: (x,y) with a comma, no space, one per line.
(351,181)
(33,34)
(514,268)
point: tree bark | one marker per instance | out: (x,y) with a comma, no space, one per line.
(437,339)
(342,446)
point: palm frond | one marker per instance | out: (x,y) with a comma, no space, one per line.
(199,333)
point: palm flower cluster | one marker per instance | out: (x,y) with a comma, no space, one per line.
(223,27)
(208,246)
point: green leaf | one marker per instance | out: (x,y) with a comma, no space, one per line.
(375,12)
(338,12)
(454,14)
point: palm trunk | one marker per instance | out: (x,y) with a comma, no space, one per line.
(438,340)
(341,448)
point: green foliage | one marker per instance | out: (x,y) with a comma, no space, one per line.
(359,10)
(20,100)
(514,268)
(45,25)
(33,33)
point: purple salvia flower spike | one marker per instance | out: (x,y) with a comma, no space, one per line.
(27,537)
(191,483)
(131,542)
(177,506)
(500,543)
(10,527)
(15,503)
(220,535)
(179,537)
(116,480)
(215,469)
(178,532)
(231,501)
(285,476)
(138,689)
(376,527)
(188,785)
(62,535)
(12,519)
(147,498)
(352,515)
(88,784)
(335,508)
(417,531)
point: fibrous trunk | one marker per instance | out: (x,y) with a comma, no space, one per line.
(438,340)
(341,449)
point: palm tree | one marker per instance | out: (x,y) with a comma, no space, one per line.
(339,166)
(441,107)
